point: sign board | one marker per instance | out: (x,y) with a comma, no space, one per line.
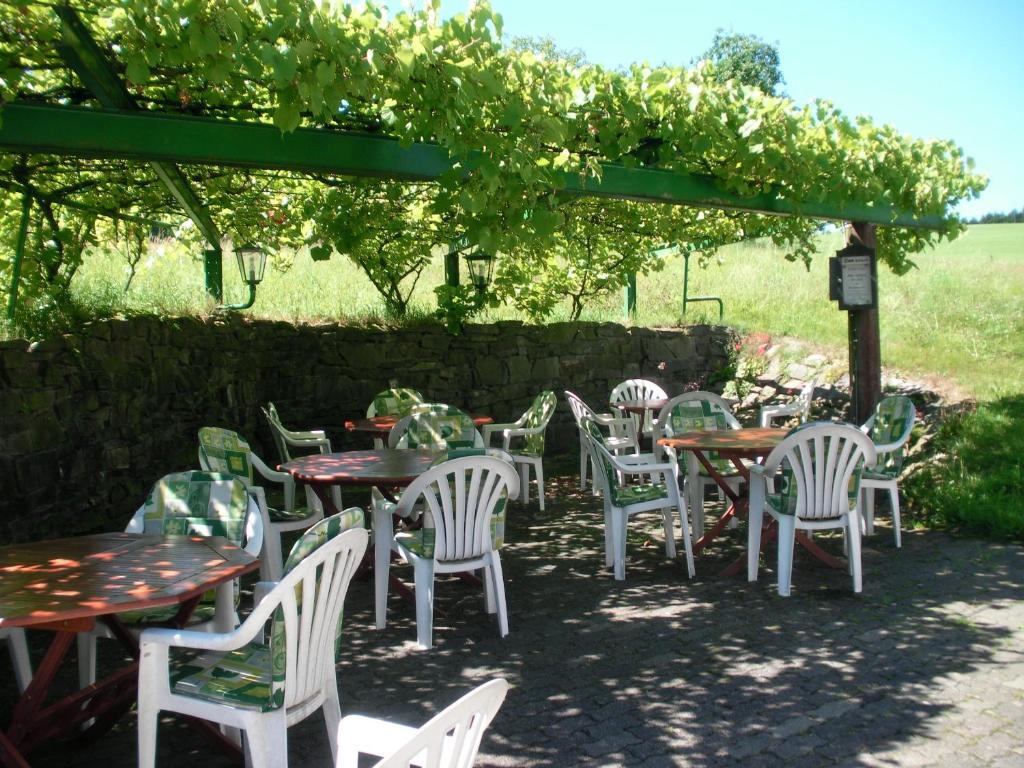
(853,278)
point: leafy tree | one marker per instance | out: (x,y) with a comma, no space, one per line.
(745,58)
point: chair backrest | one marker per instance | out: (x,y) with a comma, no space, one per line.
(892,422)
(695,411)
(277,430)
(440,428)
(197,503)
(637,389)
(538,415)
(451,738)
(460,498)
(222,450)
(578,407)
(608,478)
(805,398)
(820,465)
(393,402)
(307,606)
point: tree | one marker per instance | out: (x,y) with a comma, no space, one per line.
(745,58)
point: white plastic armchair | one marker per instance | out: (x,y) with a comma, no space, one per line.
(463,502)
(810,481)
(222,450)
(621,438)
(799,407)
(238,680)
(18,647)
(308,440)
(528,433)
(639,389)
(694,411)
(889,429)
(623,501)
(450,739)
(231,508)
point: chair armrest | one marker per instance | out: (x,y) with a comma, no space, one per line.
(281,477)
(260,590)
(769,412)
(370,736)
(487,430)
(197,640)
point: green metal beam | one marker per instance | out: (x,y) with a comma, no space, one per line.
(83,132)
(88,61)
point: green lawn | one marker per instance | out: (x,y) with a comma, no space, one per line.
(960,316)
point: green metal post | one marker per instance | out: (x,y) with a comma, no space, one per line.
(686,280)
(213,264)
(629,296)
(451,268)
(19,254)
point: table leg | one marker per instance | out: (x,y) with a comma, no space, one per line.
(735,507)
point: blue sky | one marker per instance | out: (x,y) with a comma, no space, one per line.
(936,69)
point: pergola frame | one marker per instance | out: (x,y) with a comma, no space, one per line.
(121,131)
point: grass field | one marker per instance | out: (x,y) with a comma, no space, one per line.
(959,316)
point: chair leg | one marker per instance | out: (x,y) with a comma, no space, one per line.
(584,463)
(855,565)
(332,710)
(266,739)
(619,542)
(382,537)
(497,578)
(148,712)
(869,511)
(524,482)
(755,519)
(787,537)
(668,525)
(424,575)
(609,539)
(488,580)
(539,469)
(86,642)
(894,502)
(687,543)
(272,563)
(19,658)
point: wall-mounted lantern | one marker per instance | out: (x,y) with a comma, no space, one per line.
(252,261)
(481,269)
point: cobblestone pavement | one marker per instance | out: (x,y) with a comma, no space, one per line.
(926,667)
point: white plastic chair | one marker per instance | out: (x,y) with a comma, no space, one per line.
(620,440)
(696,411)
(309,440)
(222,450)
(460,499)
(639,389)
(799,407)
(435,426)
(528,430)
(809,482)
(18,648)
(889,429)
(450,739)
(166,511)
(240,681)
(623,501)
(397,401)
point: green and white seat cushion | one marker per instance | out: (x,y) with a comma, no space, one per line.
(441,431)
(624,495)
(538,414)
(394,402)
(892,415)
(227,451)
(253,677)
(696,416)
(193,503)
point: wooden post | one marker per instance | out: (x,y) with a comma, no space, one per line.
(865,342)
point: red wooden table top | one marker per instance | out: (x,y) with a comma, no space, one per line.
(641,406)
(383,424)
(88,576)
(742,443)
(389,466)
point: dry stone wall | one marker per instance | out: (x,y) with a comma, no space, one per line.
(88,421)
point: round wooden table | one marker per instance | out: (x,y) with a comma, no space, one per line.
(66,585)
(382,425)
(385,468)
(752,444)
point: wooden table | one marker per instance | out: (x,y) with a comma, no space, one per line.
(66,585)
(639,409)
(381,426)
(735,445)
(387,469)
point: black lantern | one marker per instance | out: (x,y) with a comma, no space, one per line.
(252,260)
(481,269)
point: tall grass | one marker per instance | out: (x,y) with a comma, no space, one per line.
(960,316)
